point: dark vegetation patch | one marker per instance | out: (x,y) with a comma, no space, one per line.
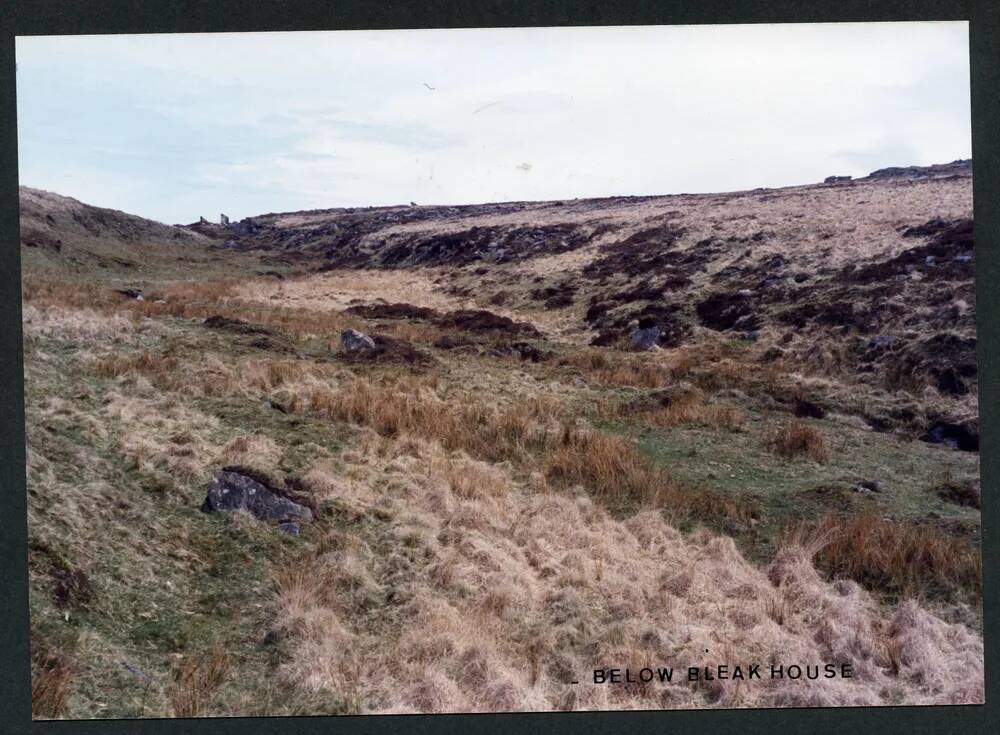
(41,240)
(948,360)
(615,326)
(272,344)
(647,251)
(962,435)
(468,320)
(523,351)
(388,349)
(728,311)
(493,244)
(949,255)
(556,297)
(237,326)
(480,320)
(392,311)
(452,342)
(808,410)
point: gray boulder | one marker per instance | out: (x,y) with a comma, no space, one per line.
(233,491)
(351,340)
(645,339)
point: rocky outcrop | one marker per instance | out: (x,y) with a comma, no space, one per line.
(351,340)
(643,339)
(230,490)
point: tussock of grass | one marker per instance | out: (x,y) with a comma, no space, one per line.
(52,679)
(608,466)
(798,439)
(195,680)
(903,557)
(508,596)
(144,363)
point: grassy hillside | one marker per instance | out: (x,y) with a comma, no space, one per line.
(499,505)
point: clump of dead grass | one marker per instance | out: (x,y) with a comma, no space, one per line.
(903,557)
(52,677)
(505,598)
(195,680)
(798,439)
(143,363)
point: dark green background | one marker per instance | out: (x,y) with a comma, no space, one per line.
(46,17)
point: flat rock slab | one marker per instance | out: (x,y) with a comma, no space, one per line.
(232,491)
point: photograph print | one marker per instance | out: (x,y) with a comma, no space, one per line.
(500,370)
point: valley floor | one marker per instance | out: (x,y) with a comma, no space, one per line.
(492,521)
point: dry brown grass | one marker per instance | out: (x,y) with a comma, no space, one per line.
(51,683)
(410,405)
(508,595)
(532,433)
(694,410)
(195,680)
(143,363)
(635,375)
(798,439)
(621,477)
(196,301)
(611,468)
(896,556)
(589,359)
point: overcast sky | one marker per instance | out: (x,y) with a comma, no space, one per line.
(173,127)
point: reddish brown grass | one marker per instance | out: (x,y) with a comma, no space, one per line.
(798,439)
(194,682)
(143,363)
(896,556)
(51,683)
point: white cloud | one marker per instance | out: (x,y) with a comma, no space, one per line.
(258,122)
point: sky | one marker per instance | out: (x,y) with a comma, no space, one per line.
(177,126)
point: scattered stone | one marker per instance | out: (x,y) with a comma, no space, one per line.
(385,349)
(229,490)
(955,435)
(874,486)
(801,277)
(645,338)
(351,340)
